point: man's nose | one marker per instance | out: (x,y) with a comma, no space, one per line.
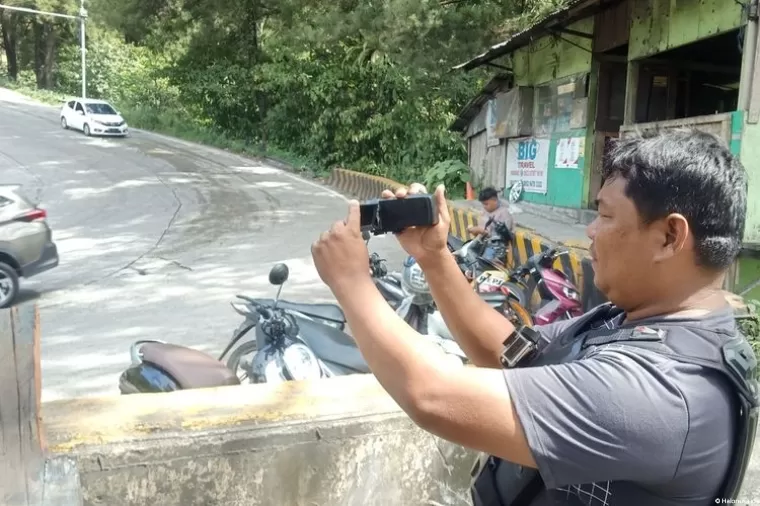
(591,229)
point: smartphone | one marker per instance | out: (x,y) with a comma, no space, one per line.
(382,216)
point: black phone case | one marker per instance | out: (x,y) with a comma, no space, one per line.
(382,216)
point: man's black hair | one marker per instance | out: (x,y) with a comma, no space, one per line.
(488,194)
(692,173)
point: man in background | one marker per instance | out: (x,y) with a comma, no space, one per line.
(494,208)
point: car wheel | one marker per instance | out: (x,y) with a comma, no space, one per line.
(86,129)
(8,285)
(64,125)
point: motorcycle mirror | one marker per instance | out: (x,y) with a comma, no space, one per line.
(279,274)
(365,235)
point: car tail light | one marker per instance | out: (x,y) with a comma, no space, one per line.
(33,215)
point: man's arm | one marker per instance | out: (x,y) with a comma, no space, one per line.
(465,405)
(480,227)
(477,327)
(593,420)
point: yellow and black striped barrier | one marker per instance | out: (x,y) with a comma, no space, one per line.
(360,186)
(576,264)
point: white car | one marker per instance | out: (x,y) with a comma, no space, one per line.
(93,117)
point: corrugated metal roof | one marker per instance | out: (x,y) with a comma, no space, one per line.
(572,11)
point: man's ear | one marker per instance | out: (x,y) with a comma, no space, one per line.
(673,232)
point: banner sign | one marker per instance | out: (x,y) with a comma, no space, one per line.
(528,161)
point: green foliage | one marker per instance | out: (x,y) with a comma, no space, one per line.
(454,174)
(362,85)
(749,325)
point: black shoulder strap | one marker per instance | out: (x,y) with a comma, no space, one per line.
(731,356)
(597,315)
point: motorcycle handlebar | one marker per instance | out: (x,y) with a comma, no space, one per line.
(539,259)
(263,310)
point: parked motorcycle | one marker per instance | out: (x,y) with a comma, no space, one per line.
(560,298)
(293,341)
(475,255)
(389,284)
(409,294)
(419,311)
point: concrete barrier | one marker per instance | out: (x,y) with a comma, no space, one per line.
(334,441)
(327,442)
(577,264)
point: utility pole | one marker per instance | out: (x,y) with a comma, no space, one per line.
(81,17)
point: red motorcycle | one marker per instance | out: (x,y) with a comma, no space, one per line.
(559,296)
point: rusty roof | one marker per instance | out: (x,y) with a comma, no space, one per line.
(572,11)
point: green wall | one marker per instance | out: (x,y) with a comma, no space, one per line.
(545,60)
(749,273)
(750,157)
(564,186)
(551,58)
(659,25)
(745,140)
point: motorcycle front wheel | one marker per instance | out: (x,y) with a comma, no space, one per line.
(233,362)
(518,315)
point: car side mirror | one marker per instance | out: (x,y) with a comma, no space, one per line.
(81,113)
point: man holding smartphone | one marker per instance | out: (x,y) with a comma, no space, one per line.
(642,402)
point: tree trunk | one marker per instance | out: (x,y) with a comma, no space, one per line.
(51,42)
(39,52)
(10,42)
(44,54)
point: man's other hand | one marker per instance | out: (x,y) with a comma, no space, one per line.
(340,254)
(424,242)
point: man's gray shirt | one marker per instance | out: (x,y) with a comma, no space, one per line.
(624,426)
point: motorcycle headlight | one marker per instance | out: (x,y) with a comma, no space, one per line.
(570,293)
(301,363)
(271,370)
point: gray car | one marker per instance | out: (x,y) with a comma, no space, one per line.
(26,242)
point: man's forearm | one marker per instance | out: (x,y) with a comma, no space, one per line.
(401,360)
(477,327)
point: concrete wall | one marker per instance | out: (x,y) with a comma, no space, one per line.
(341,441)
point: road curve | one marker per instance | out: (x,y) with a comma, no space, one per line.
(156,236)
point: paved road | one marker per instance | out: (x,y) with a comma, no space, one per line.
(156,236)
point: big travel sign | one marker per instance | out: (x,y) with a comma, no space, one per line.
(527,161)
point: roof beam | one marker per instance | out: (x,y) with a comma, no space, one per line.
(497,66)
(576,33)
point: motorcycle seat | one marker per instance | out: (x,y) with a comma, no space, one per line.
(330,312)
(190,368)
